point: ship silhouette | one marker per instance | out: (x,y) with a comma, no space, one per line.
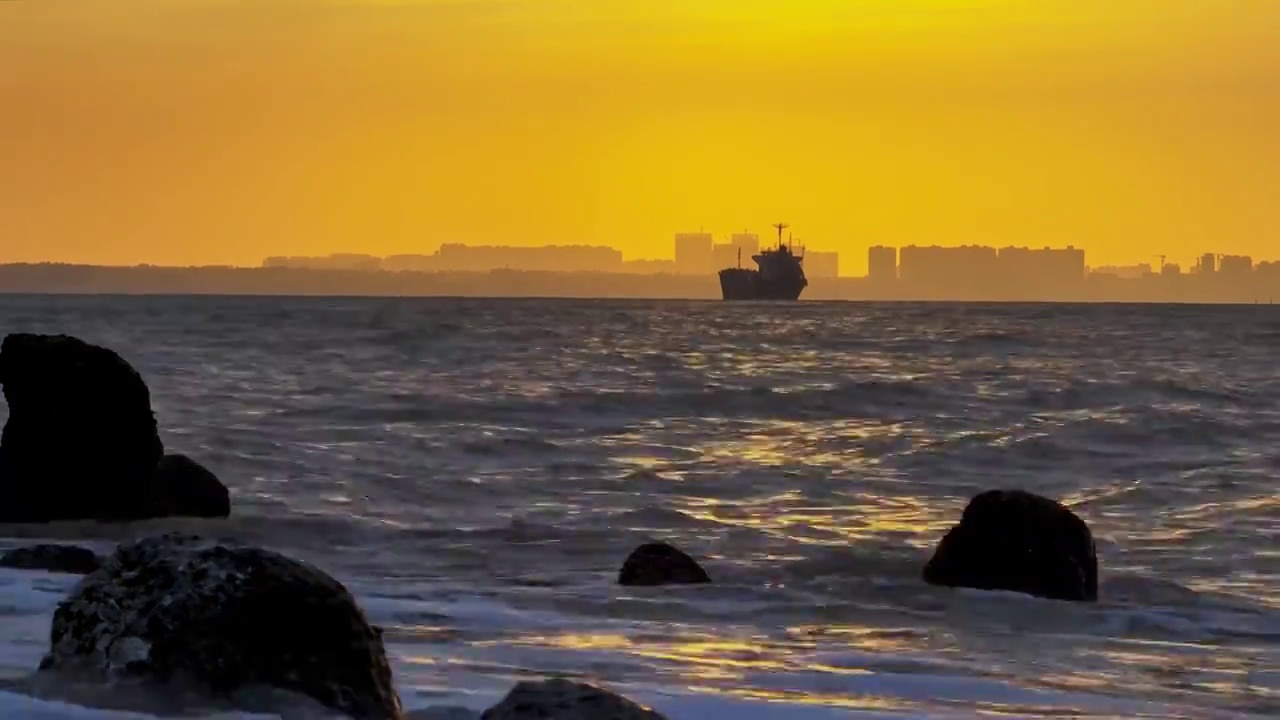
(779,275)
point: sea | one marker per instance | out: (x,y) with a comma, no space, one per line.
(477,470)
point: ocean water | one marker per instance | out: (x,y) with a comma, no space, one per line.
(476,471)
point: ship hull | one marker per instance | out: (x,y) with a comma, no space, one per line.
(742,284)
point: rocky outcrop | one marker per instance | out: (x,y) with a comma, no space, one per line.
(560,699)
(183,487)
(176,608)
(661,564)
(68,559)
(1019,541)
(81,441)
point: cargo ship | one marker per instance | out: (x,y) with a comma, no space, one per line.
(779,275)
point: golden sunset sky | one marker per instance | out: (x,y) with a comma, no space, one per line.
(222,131)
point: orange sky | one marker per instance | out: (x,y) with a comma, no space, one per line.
(221,131)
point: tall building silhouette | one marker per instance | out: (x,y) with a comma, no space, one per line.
(941,267)
(882,264)
(821,264)
(1059,267)
(693,253)
(749,243)
(1235,265)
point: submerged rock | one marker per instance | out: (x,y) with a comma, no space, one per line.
(81,441)
(177,608)
(54,558)
(1019,541)
(661,564)
(560,699)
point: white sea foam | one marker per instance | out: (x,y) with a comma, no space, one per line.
(469,675)
(16,706)
(473,676)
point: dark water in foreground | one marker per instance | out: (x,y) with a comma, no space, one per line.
(477,470)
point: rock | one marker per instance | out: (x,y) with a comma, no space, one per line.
(1015,540)
(143,697)
(177,608)
(560,699)
(185,488)
(81,441)
(660,564)
(54,558)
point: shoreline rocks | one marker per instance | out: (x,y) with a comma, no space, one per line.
(81,441)
(70,559)
(178,608)
(1016,540)
(561,699)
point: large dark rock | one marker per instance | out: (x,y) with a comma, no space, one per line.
(81,441)
(660,564)
(1015,540)
(560,699)
(176,608)
(185,488)
(53,558)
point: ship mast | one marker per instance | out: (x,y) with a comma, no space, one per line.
(780,227)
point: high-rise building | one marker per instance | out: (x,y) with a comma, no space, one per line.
(748,242)
(943,267)
(693,253)
(882,263)
(1208,264)
(821,264)
(1235,265)
(1046,266)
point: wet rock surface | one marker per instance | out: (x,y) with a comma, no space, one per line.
(81,441)
(1019,541)
(179,608)
(173,698)
(661,564)
(560,699)
(53,558)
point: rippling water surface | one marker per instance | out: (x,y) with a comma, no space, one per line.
(477,470)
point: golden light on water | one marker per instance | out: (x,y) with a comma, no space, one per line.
(712,665)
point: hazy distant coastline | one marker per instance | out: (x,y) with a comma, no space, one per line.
(51,278)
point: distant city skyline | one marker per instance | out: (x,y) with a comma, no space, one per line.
(852,262)
(926,274)
(698,253)
(841,264)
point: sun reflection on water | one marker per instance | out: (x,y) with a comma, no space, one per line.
(728,665)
